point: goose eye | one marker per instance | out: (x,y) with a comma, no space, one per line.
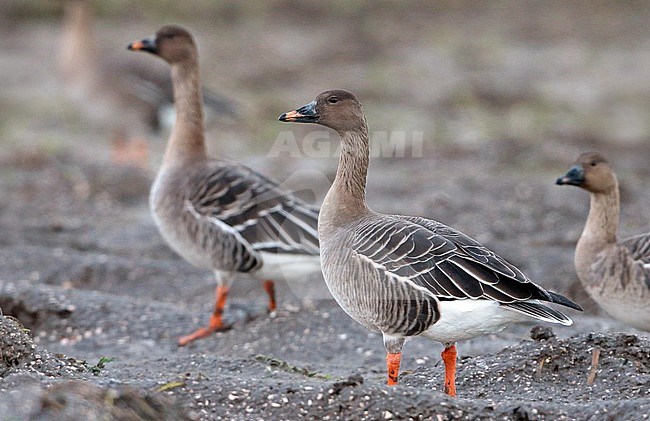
(592,163)
(332,100)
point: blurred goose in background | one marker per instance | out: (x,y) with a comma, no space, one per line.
(403,275)
(220,215)
(125,94)
(616,274)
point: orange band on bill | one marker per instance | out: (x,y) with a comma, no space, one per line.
(137,45)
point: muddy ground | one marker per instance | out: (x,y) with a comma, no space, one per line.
(504,96)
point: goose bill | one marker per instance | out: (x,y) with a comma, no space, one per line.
(148,45)
(575,177)
(304,114)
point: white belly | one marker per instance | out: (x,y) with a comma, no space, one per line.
(289,266)
(466,319)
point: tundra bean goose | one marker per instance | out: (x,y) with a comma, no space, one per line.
(220,215)
(616,274)
(403,275)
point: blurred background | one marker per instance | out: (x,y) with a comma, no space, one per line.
(499,97)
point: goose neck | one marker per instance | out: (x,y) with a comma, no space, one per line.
(346,198)
(603,218)
(600,229)
(187,138)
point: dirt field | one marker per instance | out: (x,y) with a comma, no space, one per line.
(491,103)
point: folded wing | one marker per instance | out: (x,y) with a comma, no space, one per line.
(266,215)
(448,264)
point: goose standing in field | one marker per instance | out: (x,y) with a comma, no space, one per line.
(615,274)
(124,94)
(406,276)
(216,214)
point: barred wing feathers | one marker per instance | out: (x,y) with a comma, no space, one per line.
(262,212)
(450,265)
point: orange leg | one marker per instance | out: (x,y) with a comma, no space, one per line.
(216,319)
(269,287)
(449,357)
(392,362)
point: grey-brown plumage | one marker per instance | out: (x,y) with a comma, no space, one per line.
(616,274)
(219,215)
(403,275)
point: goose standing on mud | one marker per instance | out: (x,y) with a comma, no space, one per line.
(406,276)
(216,214)
(616,274)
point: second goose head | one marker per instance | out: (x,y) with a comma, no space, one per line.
(337,109)
(592,172)
(172,43)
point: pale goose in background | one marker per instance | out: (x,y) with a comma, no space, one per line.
(616,274)
(403,275)
(220,215)
(127,95)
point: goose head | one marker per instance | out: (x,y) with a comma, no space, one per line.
(592,172)
(173,44)
(337,109)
